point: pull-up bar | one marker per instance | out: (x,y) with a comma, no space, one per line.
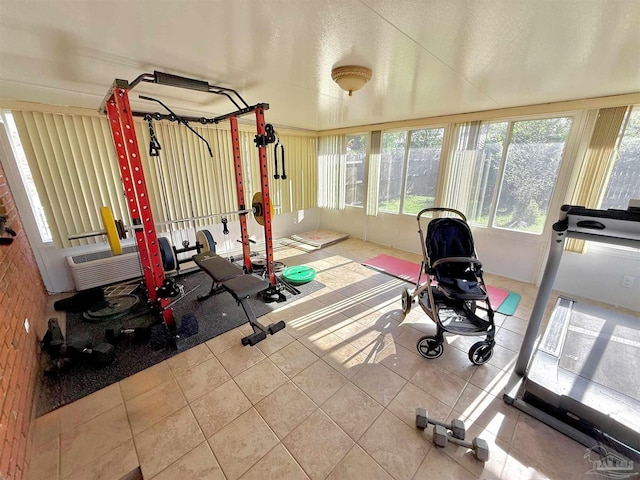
(203,120)
(171,80)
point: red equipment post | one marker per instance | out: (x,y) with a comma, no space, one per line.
(126,144)
(266,197)
(237,163)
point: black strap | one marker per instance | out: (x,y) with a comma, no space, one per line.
(275,160)
(284,173)
(154,145)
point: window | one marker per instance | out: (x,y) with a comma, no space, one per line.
(409,167)
(355,156)
(475,182)
(503,173)
(532,164)
(391,163)
(624,181)
(27,177)
(341,170)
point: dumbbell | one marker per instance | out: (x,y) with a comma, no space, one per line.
(53,340)
(479,446)
(100,354)
(140,334)
(456,426)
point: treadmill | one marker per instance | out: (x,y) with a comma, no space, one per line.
(583,377)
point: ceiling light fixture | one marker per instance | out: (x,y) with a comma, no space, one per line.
(351,78)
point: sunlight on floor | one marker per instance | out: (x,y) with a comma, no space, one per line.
(333,395)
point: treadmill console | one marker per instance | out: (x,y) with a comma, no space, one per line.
(603,223)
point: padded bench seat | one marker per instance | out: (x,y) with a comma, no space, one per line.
(217,267)
(231,278)
(244,286)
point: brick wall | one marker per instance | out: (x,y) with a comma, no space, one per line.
(22,295)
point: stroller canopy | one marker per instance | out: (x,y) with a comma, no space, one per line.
(448,237)
(451,237)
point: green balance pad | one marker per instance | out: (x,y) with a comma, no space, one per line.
(299,274)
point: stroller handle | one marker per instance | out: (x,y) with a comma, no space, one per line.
(441,209)
(444,260)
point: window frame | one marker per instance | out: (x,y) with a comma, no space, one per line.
(580,121)
(444,149)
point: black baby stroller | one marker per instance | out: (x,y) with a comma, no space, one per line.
(458,302)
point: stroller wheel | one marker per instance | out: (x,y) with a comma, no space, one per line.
(406,301)
(480,353)
(430,347)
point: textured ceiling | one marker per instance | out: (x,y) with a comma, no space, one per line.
(429,57)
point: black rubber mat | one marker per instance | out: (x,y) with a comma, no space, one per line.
(216,315)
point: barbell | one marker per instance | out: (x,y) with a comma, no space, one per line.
(116,230)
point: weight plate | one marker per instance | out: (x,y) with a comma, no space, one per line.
(299,274)
(169,260)
(258,206)
(204,238)
(117,307)
(122,231)
(112,232)
(259,262)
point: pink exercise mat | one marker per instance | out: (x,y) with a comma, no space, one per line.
(408,271)
(396,267)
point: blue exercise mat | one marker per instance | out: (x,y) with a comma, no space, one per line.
(508,307)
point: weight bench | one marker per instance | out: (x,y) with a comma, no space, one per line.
(230,277)
(219,269)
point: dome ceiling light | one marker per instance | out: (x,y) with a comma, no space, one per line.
(351,78)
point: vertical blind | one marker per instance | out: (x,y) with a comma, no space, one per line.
(330,174)
(184,181)
(374,173)
(458,172)
(299,190)
(75,170)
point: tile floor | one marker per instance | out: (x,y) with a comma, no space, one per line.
(332,396)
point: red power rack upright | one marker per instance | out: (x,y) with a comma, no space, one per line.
(128,152)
